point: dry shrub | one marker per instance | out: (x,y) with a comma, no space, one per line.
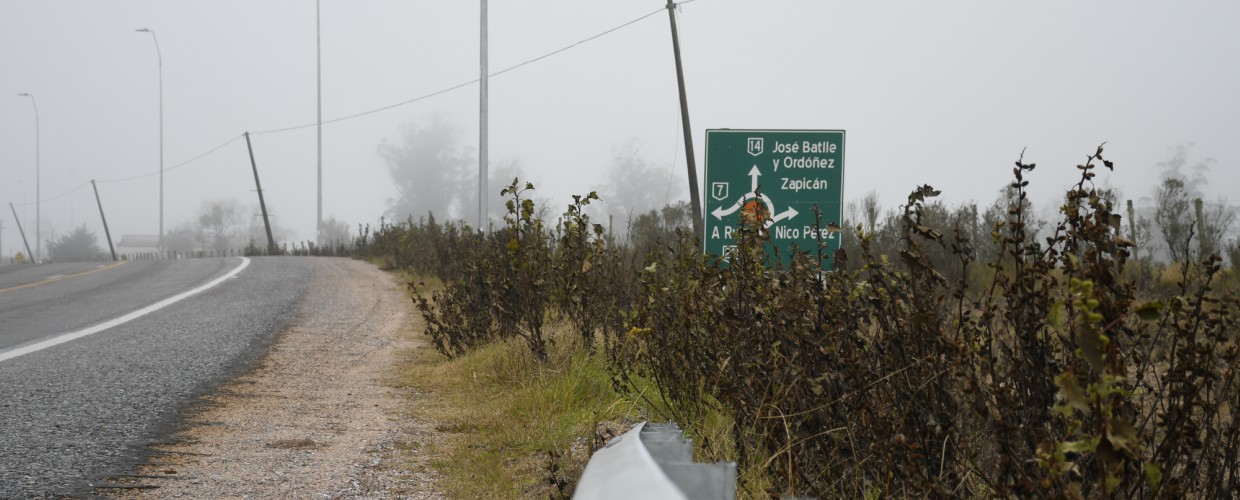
(1037,372)
(894,380)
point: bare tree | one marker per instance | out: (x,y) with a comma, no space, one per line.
(871,210)
(500,175)
(427,166)
(336,232)
(997,216)
(1173,211)
(221,222)
(1233,253)
(184,238)
(1173,217)
(1174,168)
(1141,233)
(635,186)
(1215,221)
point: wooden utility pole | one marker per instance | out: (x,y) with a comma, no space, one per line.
(105,220)
(271,242)
(21,231)
(690,163)
(1201,229)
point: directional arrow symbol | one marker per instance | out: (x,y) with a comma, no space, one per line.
(754,173)
(787,214)
(720,212)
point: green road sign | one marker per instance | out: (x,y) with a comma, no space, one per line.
(773,178)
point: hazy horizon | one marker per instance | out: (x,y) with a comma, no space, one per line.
(944,94)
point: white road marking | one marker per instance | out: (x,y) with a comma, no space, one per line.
(65,337)
(59,277)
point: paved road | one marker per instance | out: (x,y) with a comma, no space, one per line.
(74,413)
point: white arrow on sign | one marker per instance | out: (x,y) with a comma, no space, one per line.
(754,173)
(721,212)
(788,214)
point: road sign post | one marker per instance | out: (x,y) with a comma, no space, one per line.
(776,177)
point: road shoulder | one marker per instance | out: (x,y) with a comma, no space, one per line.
(319,416)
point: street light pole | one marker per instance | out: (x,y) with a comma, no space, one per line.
(38,224)
(71,226)
(318,71)
(160,57)
(483,124)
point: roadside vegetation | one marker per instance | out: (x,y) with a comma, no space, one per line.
(513,426)
(950,352)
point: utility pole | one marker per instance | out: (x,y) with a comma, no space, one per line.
(271,242)
(20,230)
(482,124)
(1201,229)
(71,210)
(38,191)
(318,65)
(160,57)
(106,232)
(690,163)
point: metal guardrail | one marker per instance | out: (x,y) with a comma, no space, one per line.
(653,461)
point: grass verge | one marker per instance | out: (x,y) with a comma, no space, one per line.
(513,427)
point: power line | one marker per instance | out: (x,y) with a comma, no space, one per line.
(54,198)
(372,111)
(552,53)
(174,167)
(465,84)
(136,177)
(364,113)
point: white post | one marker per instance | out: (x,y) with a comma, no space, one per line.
(160,56)
(38,197)
(318,65)
(482,126)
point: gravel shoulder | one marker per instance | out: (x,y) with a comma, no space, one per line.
(318,417)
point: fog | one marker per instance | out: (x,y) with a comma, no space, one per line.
(942,93)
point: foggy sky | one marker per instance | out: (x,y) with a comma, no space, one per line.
(942,93)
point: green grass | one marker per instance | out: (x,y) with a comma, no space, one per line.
(502,412)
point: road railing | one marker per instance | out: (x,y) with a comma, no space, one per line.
(654,461)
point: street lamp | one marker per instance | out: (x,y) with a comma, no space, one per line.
(161,135)
(318,71)
(38,237)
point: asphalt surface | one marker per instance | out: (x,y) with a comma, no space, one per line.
(75,415)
